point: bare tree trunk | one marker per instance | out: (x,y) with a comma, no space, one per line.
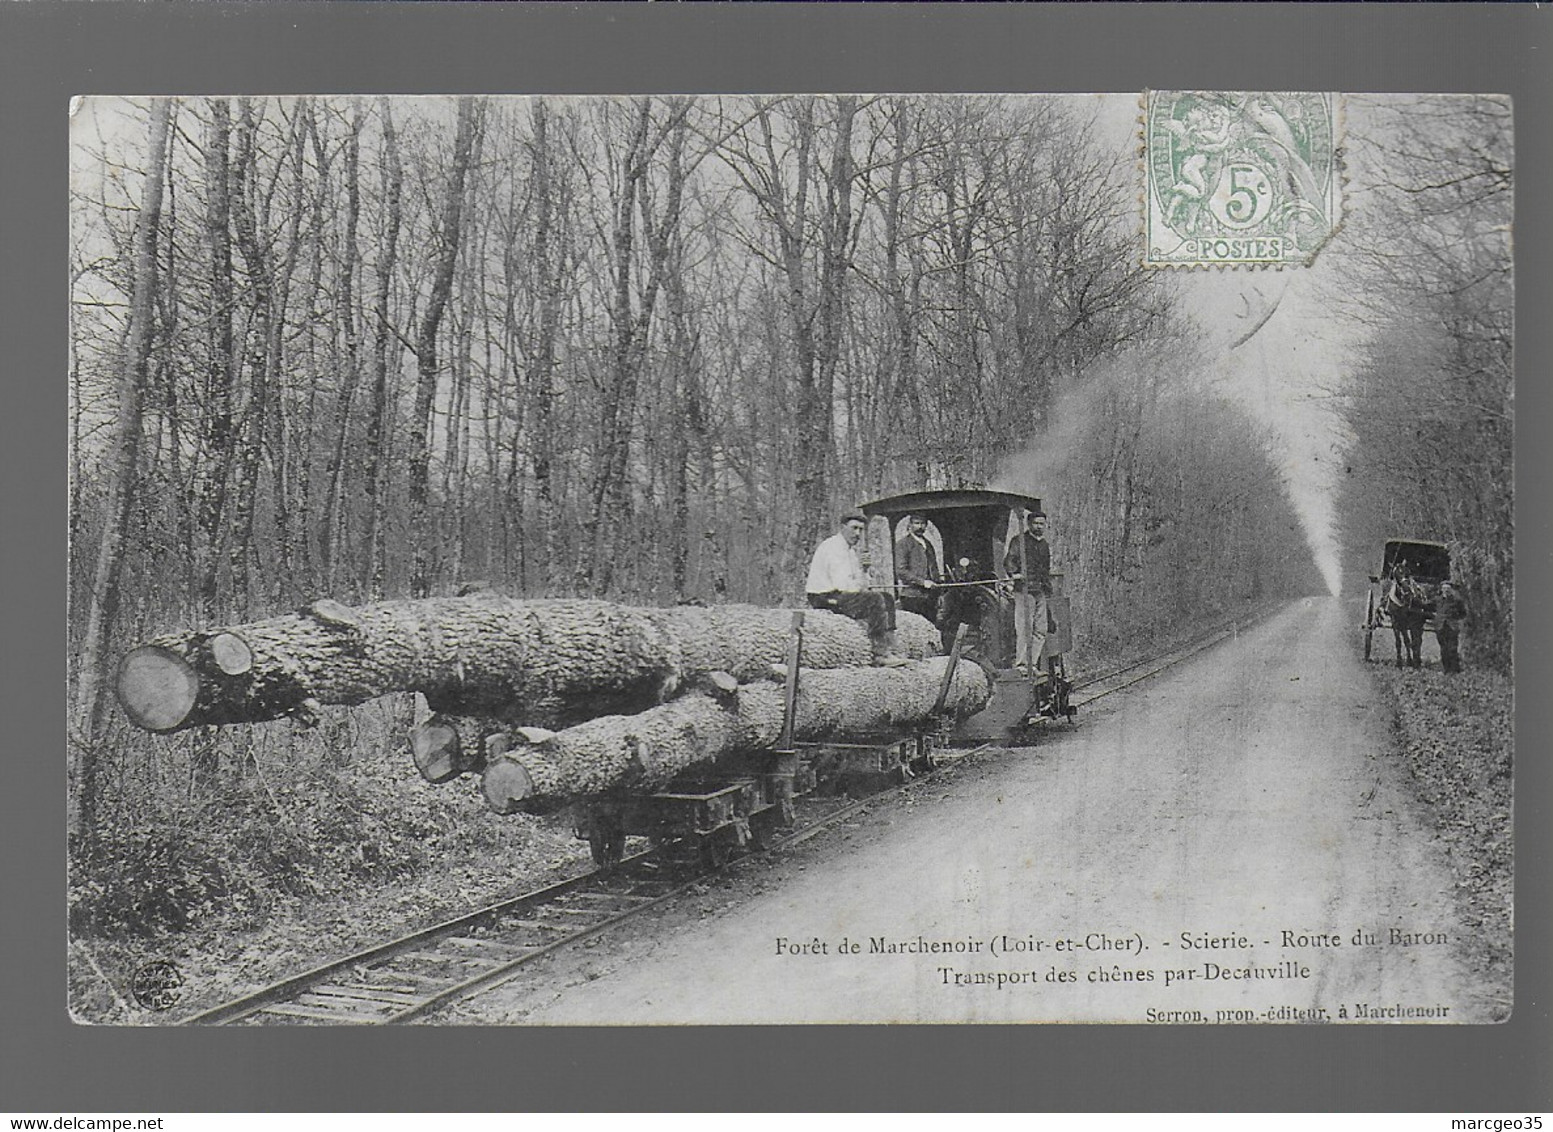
(835,264)
(548,260)
(901,388)
(334,517)
(249,440)
(619,404)
(631,321)
(687,416)
(220,431)
(455,463)
(426,350)
(294,556)
(813,308)
(383,344)
(103,603)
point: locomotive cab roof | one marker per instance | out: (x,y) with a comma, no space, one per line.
(932,503)
(973,525)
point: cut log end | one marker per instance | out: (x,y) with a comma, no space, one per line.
(438,752)
(230,653)
(157,687)
(722,684)
(505,784)
(327,611)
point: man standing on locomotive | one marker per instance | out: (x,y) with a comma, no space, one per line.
(1028,561)
(837,582)
(916,569)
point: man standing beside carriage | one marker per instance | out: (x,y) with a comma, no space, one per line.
(1449,613)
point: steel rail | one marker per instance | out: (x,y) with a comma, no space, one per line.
(280,991)
(490,980)
(290,989)
(1169,659)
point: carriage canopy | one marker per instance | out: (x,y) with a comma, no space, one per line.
(1426,561)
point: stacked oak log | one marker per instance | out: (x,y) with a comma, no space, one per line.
(552,699)
(645,751)
(547,662)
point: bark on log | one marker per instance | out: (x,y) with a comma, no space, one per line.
(550,662)
(647,750)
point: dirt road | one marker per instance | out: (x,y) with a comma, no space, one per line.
(1227,842)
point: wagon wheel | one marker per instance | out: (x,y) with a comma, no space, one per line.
(606,842)
(1062,691)
(714,853)
(1369,624)
(926,760)
(763,826)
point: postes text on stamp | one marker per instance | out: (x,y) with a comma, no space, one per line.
(1238,178)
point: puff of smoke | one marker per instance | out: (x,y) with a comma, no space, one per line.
(1098,390)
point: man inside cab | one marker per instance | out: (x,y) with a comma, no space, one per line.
(916,569)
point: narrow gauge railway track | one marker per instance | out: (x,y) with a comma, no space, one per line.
(1093,688)
(416,974)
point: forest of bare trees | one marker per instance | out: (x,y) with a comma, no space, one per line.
(1430,404)
(632,348)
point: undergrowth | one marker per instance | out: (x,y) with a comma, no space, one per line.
(302,846)
(1456,736)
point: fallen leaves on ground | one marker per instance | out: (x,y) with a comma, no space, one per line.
(1456,736)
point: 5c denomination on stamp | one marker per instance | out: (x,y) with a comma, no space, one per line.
(1238,178)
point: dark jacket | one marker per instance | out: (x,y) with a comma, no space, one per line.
(1451,611)
(1036,564)
(916,562)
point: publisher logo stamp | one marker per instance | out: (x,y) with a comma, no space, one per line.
(158,985)
(1238,178)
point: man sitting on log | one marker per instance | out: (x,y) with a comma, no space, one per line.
(837,581)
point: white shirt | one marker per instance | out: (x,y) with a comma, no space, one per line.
(836,566)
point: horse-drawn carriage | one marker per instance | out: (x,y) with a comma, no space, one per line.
(1404,594)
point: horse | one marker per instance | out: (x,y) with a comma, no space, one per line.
(1407,608)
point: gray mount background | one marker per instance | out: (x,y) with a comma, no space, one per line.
(51,51)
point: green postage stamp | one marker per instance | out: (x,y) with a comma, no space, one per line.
(1238,178)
